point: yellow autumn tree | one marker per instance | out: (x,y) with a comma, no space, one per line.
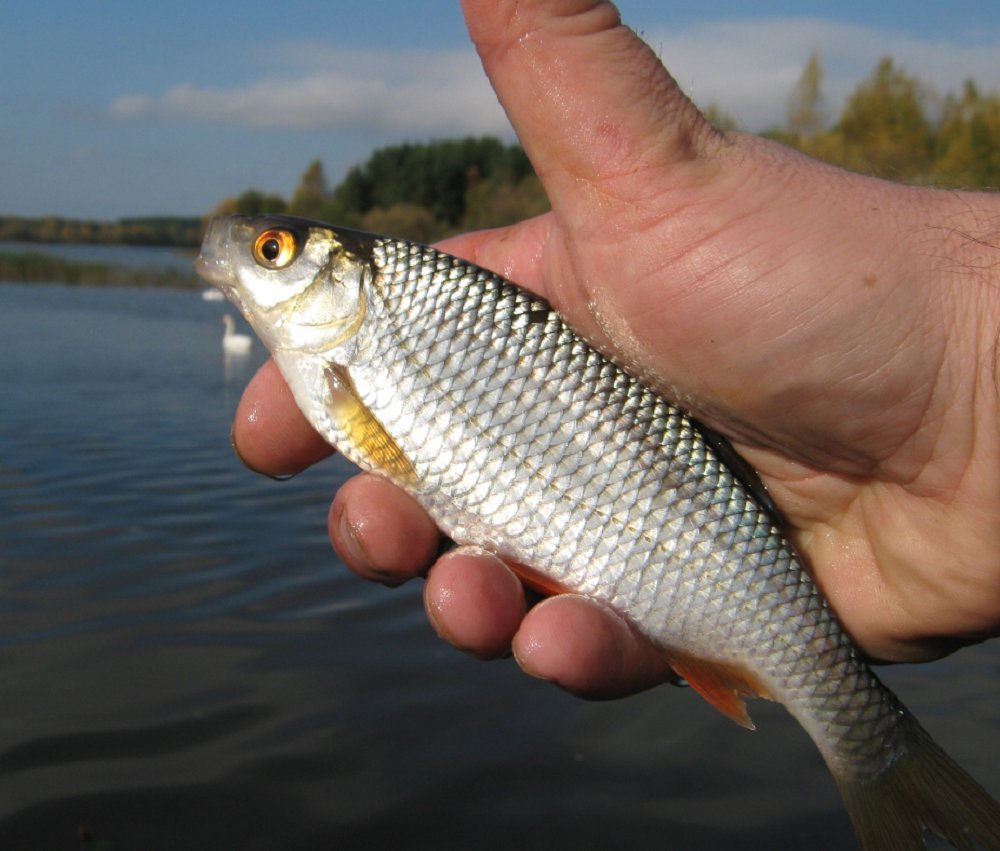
(884,129)
(968,140)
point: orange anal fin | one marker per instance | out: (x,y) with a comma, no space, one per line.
(724,686)
(535,580)
(365,433)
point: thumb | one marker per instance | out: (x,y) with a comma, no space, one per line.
(593,106)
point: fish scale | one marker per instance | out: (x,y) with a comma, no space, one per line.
(476,398)
(650,599)
(697,475)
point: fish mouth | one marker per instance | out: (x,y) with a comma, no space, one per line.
(213,263)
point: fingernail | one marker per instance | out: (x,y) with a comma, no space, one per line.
(350,549)
(348,545)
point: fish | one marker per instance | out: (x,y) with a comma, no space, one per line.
(476,397)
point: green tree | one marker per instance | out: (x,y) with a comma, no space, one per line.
(421,191)
(435,175)
(495,202)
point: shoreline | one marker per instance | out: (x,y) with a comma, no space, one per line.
(37,267)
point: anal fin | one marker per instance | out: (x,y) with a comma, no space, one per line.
(724,686)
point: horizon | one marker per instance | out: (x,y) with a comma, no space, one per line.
(180,107)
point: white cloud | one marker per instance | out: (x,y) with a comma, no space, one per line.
(747,67)
(419,92)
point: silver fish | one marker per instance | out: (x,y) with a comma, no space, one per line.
(476,398)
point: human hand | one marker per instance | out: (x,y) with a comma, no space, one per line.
(841,331)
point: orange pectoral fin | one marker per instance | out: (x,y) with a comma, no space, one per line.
(724,686)
(365,433)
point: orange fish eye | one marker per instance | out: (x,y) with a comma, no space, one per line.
(274,248)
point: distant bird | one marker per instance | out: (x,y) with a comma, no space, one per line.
(237,344)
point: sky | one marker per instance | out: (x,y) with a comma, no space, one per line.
(112,109)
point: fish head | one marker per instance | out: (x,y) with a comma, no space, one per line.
(300,284)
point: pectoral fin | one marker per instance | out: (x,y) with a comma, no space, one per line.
(724,686)
(364,432)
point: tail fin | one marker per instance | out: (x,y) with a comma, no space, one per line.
(923,791)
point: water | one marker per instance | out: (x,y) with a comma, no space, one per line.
(185,664)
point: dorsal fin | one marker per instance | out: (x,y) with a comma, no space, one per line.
(740,468)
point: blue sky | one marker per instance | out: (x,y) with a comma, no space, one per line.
(112,108)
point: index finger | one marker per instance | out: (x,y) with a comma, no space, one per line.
(270,434)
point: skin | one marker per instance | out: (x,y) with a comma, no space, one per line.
(840,330)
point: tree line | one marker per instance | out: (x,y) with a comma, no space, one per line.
(894,126)
(153,230)
(416,191)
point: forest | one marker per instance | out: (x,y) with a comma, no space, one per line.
(417,191)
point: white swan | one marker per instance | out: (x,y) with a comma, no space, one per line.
(235,343)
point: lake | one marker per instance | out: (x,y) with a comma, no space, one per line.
(186,664)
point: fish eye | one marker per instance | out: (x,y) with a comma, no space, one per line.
(274,248)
